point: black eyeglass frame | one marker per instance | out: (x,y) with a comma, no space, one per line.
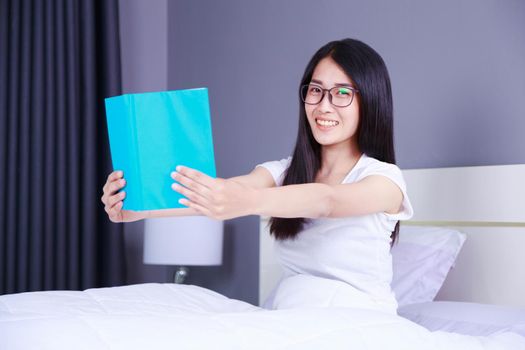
(303,94)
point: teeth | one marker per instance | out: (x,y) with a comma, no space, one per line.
(326,122)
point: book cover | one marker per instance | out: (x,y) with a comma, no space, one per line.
(150,134)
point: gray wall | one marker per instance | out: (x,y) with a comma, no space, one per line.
(457,69)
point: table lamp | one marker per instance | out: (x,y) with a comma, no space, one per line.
(183,241)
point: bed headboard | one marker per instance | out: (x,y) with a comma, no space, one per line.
(485,202)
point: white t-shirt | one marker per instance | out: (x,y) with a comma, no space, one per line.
(354,250)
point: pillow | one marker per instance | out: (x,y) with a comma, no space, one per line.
(466,318)
(421,260)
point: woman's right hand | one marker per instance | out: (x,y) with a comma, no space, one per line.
(112,200)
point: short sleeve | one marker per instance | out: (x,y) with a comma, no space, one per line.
(277,168)
(393,172)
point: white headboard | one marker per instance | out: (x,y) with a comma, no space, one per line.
(485,202)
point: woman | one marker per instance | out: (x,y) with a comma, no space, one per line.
(335,204)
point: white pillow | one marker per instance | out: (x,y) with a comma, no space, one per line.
(466,318)
(421,260)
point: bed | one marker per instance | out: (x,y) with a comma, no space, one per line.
(477,240)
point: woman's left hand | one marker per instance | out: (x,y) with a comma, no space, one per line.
(217,198)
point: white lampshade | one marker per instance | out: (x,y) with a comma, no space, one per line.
(185,240)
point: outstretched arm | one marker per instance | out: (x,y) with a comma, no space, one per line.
(372,194)
(226,199)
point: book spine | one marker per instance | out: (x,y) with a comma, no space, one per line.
(135,142)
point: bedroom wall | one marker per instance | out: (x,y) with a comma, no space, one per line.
(457,70)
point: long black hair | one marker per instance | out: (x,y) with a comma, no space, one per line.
(368,71)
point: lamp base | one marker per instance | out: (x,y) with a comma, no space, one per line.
(180,274)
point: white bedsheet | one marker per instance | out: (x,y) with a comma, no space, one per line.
(168,316)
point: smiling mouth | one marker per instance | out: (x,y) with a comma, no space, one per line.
(326,123)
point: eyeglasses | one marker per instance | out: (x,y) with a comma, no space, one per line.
(339,96)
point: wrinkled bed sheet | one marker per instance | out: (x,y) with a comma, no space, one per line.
(169,316)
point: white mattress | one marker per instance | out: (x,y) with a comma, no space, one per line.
(168,316)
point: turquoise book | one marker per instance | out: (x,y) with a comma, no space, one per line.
(150,134)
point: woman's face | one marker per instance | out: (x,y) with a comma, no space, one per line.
(330,124)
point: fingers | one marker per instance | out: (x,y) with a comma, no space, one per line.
(112,177)
(114,213)
(115,205)
(112,199)
(191,195)
(116,198)
(196,175)
(117,174)
(116,185)
(111,187)
(189,183)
